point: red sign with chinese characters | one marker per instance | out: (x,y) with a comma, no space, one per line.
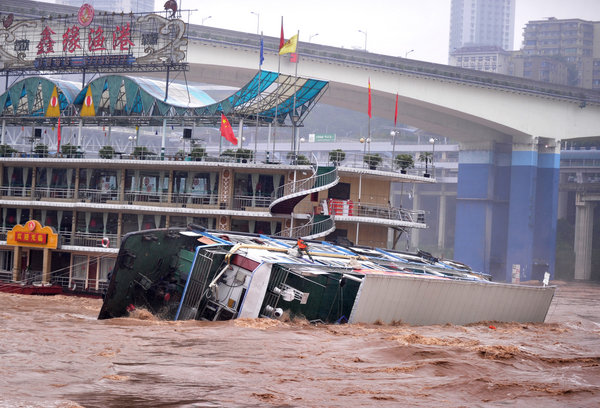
(32,234)
(31,237)
(84,40)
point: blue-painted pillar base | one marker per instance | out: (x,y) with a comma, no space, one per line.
(532,213)
(544,248)
(482,207)
(506,210)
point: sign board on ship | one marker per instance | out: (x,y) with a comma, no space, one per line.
(91,39)
(32,234)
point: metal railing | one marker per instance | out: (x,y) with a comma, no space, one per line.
(376,211)
(97,196)
(310,230)
(242,202)
(5,276)
(54,192)
(315,181)
(89,239)
(15,191)
(96,286)
(103,196)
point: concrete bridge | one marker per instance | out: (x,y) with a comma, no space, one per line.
(509,130)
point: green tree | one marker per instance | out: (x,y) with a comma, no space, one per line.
(41,150)
(6,150)
(337,156)
(198,153)
(106,152)
(404,161)
(142,152)
(69,150)
(372,160)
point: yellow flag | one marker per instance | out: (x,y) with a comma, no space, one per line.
(289,46)
(53,109)
(87,107)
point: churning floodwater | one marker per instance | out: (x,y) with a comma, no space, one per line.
(54,353)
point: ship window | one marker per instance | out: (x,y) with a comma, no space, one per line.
(6,260)
(106,265)
(340,191)
(79,266)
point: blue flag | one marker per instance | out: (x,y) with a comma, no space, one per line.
(262,56)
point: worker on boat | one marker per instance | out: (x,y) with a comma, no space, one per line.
(302,248)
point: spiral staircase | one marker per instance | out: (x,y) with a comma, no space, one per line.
(289,195)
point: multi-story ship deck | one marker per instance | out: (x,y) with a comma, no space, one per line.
(93,203)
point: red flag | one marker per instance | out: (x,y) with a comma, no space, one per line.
(227,131)
(396,111)
(58,133)
(281,38)
(369,111)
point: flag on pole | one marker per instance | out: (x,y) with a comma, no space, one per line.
(53,108)
(58,138)
(369,108)
(289,46)
(281,38)
(262,51)
(227,131)
(87,108)
(396,111)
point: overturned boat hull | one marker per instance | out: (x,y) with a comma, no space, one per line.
(211,275)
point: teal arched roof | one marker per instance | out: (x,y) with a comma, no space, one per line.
(30,96)
(126,100)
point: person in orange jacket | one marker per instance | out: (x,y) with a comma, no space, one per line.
(302,248)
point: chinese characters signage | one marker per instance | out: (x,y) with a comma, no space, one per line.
(92,40)
(32,234)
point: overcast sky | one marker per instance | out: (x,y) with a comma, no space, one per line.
(393,27)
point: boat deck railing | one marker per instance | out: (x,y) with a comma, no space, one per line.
(32,277)
(377,211)
(309,230)
(306,184)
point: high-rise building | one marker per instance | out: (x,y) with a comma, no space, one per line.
(489,58)
(482,23)
(136,6)
(570,42)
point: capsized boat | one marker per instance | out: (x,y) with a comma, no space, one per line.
(193,273)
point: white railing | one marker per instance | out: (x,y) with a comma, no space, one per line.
(310,230)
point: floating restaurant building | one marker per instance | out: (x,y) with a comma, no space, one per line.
(92,199)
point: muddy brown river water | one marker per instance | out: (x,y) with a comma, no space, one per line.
(54,353)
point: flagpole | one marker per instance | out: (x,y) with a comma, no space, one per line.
(220,144)
(395,131)
(294,127)
(369,126)
(58,136)
(260,61)
(281,40)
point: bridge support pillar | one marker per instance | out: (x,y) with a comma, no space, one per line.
(482,206)
(507,204)
(533,210)
(584,225)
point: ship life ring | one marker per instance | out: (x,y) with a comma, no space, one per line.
(288,223)
(105,242)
